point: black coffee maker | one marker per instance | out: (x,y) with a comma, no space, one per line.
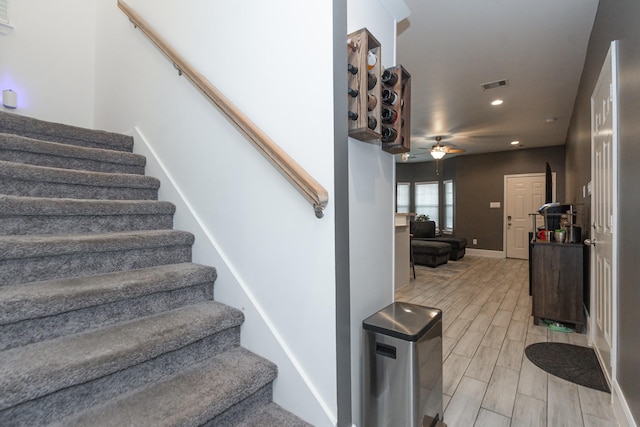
(553,213)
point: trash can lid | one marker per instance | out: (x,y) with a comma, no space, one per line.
(402,320)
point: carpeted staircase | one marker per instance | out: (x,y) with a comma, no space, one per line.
(104,319)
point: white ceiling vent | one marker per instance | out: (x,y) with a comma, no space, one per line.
(494,85)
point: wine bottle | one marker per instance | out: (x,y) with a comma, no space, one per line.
(389,97)
(353,92)
(353,115)
(372,58)
(389,77)
(352,69)
(372,101)
(372,123)
(389,134)
(371,80)
(389,115)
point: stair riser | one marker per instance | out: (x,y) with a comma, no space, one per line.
(66,401)
(27,270)
(71,322)
(19,187)
(39,159)
(23,225)
(232,415)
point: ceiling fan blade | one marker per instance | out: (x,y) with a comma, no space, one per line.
(455,150)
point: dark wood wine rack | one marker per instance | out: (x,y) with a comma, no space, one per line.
(360,45)
(402,87)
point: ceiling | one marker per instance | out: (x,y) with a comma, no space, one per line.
(452,47)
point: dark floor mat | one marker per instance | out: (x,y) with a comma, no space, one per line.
(569,362)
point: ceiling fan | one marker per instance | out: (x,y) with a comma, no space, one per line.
(438,151)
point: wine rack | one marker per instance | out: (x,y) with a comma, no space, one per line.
(364,72)
(396,110)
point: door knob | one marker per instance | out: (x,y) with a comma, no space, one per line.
(590,242)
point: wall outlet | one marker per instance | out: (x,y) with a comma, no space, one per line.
(475,241)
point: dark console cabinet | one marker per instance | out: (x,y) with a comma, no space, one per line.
(557,281)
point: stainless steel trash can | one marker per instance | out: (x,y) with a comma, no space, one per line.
(403,367)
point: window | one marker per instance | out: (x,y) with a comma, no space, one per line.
(448,205)
(402,197)
(427,200)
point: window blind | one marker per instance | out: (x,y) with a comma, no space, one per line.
(402,197)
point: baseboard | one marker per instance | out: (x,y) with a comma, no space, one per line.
(620,407)
(485,253)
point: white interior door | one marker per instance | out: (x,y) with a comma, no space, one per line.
(604,134)
(524,194)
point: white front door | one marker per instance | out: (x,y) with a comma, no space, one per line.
(524,194)
(604,134)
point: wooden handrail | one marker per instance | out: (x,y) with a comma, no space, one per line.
(305,183)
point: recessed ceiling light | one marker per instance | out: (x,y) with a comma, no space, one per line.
(497,102)
(515,142)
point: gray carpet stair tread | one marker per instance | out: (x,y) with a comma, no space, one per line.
(45,215)
(35,370)
(19,171)
(47,298)
(41,129)
(272,415)
(38,206)
(189,398)
(14,147)
(42,245)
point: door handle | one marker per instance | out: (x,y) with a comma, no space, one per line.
(590,242)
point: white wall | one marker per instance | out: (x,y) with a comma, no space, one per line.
(274,257)
(48,59)
(371,208)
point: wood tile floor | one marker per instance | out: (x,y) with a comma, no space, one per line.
(487,323)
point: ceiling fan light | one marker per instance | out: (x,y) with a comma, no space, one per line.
(437,154)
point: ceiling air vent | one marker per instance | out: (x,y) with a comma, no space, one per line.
(496,84)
